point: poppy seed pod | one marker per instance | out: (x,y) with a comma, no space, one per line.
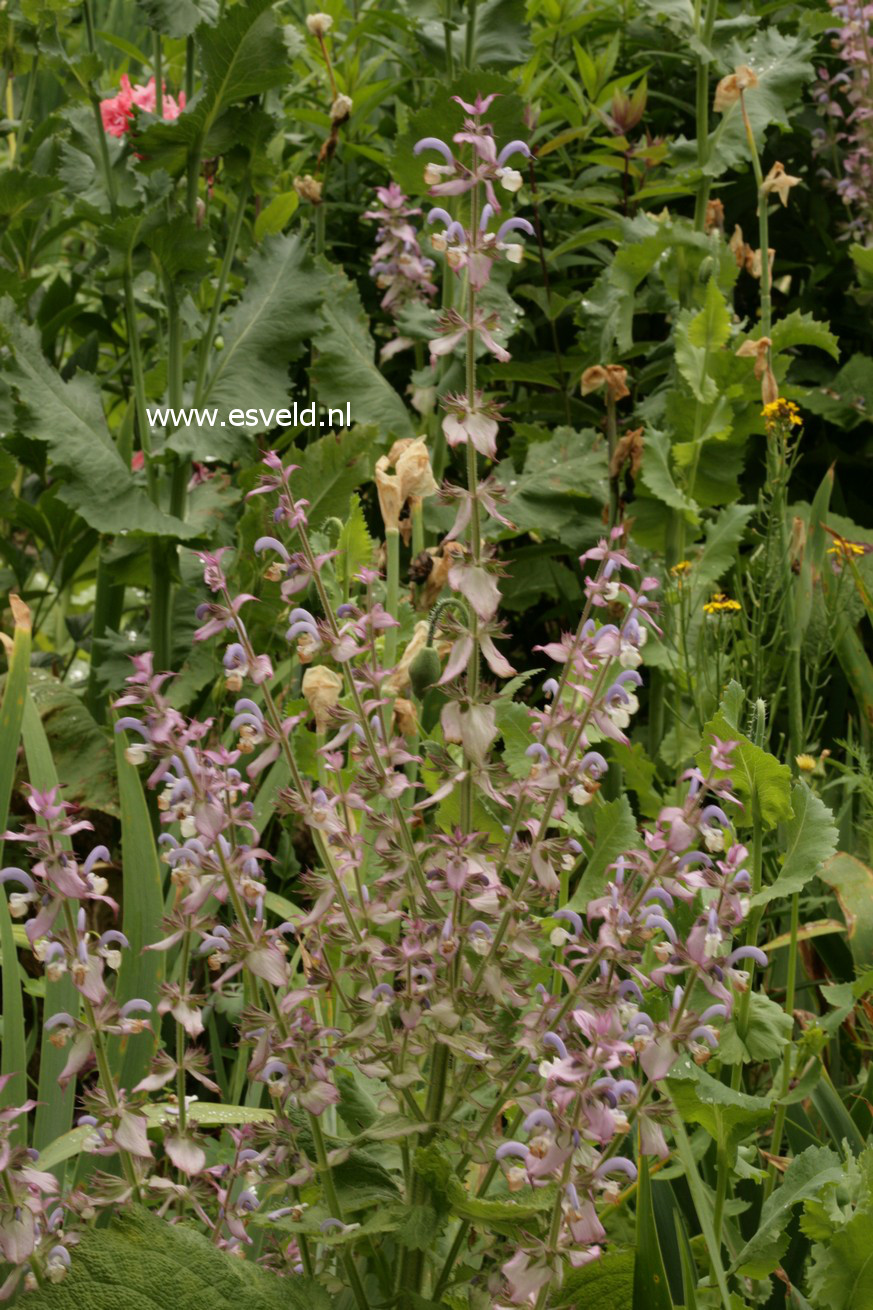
(424,671)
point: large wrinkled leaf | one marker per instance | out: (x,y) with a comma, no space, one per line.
(562,490)
(68,418)
(267,329)
(330,470)
(345,367)
(811,838)
(244,55)
(142,1263)
(178,17)
(604,1284)
(19,190)
(82,754)
(804,1177)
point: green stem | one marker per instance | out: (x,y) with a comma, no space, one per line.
(470,36)
(704,35)
(787,1057)
(392,597)
(335,1210)
(26,110)
(105,603)
(159,75)
(226,264)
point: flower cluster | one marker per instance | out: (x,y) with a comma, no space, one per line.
(474,168)
(845,102)
(118,112)
(397,264)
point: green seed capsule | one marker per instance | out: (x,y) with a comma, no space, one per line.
(707,268)
(424,670)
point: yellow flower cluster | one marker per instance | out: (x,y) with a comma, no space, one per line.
(781,412)
(846,548)
(722,604)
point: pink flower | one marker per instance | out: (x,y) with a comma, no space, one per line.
(117,111)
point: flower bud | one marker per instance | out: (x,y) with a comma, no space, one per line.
(308,188)
(341,109)
(318,24)
(424,671)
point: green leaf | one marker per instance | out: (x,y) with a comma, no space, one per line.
(853,883)
(757,777)
(68,418)
(176,18)
(330,470)
(142,1263)
(767,1030)
(657,476)
(513,721)
(181,248)
(781,63)
(500,1212)
(244,55)
(799,329)
(54,1111)
(804,1177)
(810,839)
(345,368)
(604,1284)
(651,1290)
(615,831)
(265,331)
(20,189)
(702,1206)
(562,490)
(728,1116)
(13,1056)
(355,545)
(83,759)
(141,971)
(721,541)
(276,214)
(698,338)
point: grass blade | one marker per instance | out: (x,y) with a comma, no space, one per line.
(54,1114)
(702,1207)
(651,1289)
(141,971)
(14,1056)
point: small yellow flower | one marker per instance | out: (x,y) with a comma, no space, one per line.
(781,411)
(722,604)
(682,567)
(846,548)
(806,763)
